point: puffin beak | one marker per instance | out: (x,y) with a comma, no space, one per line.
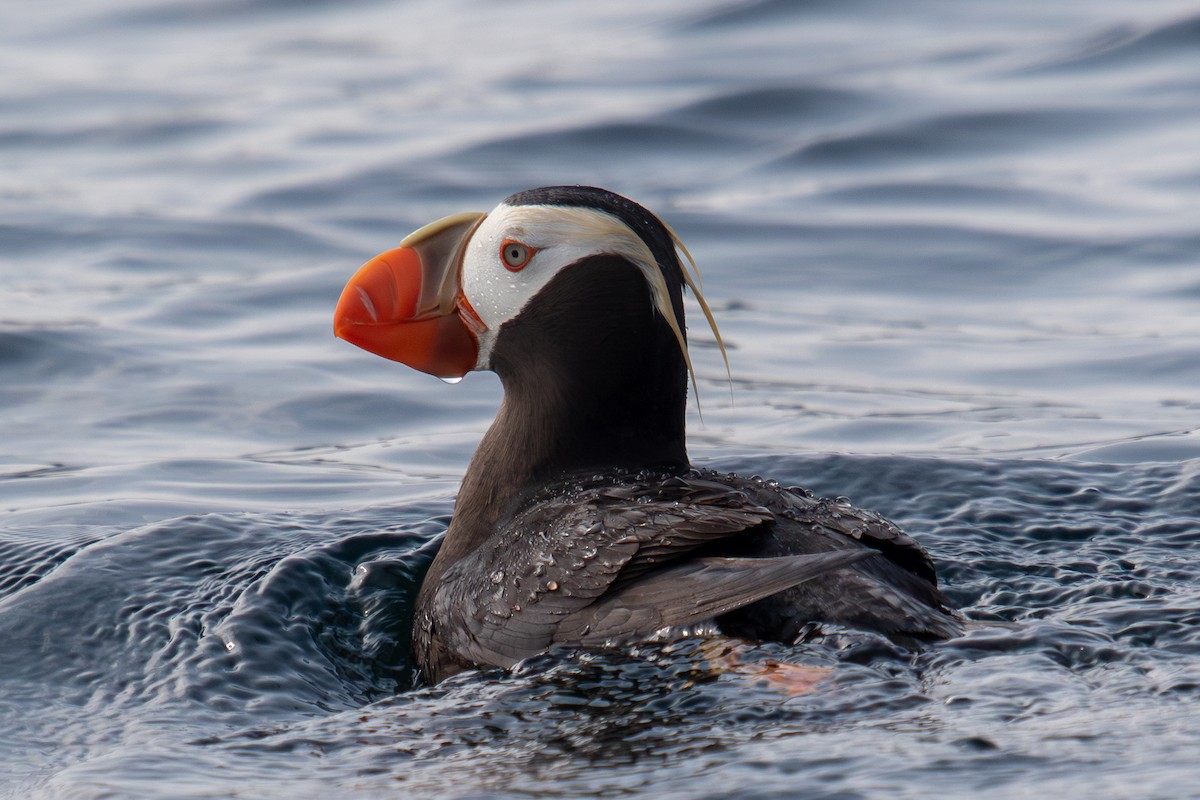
(406,305)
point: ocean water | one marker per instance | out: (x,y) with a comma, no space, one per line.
(954,248)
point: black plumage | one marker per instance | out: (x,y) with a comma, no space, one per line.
(580,520)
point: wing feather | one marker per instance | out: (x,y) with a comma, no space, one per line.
(566,552)
(591,562)
(694,591)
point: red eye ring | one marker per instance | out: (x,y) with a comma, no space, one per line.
(515,255)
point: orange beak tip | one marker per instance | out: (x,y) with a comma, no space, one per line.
(378,312)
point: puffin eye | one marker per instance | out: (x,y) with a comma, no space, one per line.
(515,255)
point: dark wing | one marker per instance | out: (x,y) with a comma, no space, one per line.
(896,595)
(864,526)
(603,563)
(692,591)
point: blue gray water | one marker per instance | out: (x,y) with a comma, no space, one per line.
(954,247)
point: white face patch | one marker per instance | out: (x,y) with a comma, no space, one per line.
(559,236)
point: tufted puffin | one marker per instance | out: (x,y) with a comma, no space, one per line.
(580,520)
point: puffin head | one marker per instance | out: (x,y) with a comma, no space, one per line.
(446,300)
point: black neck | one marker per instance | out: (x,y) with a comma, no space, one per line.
(593,380)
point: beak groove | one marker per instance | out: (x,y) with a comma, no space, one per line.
(365,299)
(395,305)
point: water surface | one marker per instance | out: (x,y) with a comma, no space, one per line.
(954,249)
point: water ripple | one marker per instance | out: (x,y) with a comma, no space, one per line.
(1131,45)
(953,247)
